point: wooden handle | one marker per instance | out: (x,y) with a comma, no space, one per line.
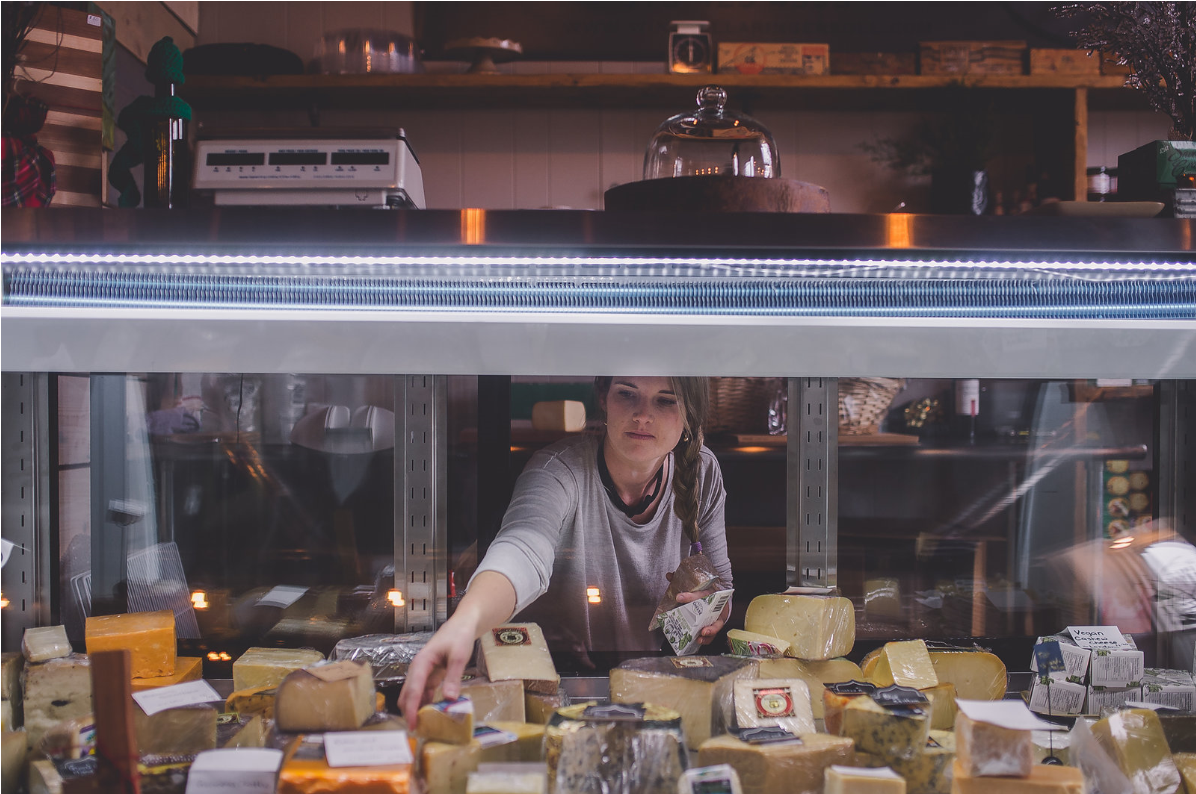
(116,740)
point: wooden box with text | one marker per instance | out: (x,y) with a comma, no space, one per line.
(972,57)
(764,58)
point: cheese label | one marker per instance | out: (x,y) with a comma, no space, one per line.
(901,701)
(721,785)
(367,748)
(616,712)
(1094,637)
(336,671)
(512,635)
(741,647)
(710,780)
(491,737)
(172,697)
(455,708)
(691,661)
(765,735)
(774,702)
(852,687)
(1048,658)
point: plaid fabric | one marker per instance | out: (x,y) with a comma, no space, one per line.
(27,171)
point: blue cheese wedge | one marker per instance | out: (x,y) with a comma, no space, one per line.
(887,732)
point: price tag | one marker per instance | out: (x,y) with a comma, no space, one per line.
(616,712)
(281,596)
(172,697)
(367,748)
(1011,714)
(852,687)
(1094,637)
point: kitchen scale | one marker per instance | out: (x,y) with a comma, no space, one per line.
(314,167)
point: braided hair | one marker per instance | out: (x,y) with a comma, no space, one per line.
(693,395)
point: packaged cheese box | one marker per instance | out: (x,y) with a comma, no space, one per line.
(1174,688)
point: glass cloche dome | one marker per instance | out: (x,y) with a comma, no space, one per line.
(711,141)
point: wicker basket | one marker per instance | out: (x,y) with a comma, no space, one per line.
(863,403)
(739,405)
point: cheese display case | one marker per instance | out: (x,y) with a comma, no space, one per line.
(281,443)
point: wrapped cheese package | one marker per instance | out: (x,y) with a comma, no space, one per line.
(446,767)
(701,688)
(816,627)
(539,707)
(771,764)
(388,655)
(1101,773)
(773,702)
(1135,741)
(615,749)
(502,701)
(518,652)
(815,674)
(696,572)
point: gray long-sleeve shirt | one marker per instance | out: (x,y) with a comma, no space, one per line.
(561,535)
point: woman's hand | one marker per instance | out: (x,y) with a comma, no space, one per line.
(707,635)
(442,660)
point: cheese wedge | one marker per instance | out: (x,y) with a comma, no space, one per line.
(180,731)
(518,652)
(539,708)
(447,721)
(773,702)
(1134,739)
(890,733)
(816,627)
(521,742)
(833,705)
(267,667)
(929,771)
(334,697)
(259,700)
(983,749)
(249,731)
(719,779)
(1043,779)
(976,674)
(906,664)
(853,780)
(446,767)
(780,768)
(186,668)
(701,688)
(503,701)
(48,642)
(149,637)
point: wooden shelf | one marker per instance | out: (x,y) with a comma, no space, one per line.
(408,91)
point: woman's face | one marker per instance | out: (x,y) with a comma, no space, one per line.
(643,418)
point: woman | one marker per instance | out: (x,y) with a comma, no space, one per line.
(616,512)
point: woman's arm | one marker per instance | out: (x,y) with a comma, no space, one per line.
(489,602)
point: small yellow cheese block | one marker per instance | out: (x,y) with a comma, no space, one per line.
(259,667)
(526,747)
(942,706)
(854,780)
(47,642)
(983,749)
(1186,764)
(1043,779)
(788,767)
(305,770)
(259,700)
(149,638)
(815,627)
(1134,739)
(832,710)
(186,668)
(448,721)
(905,663)
(886,732)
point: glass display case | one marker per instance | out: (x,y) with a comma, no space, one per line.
(295,427)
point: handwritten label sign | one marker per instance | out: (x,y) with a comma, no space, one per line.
(172,697)
(281,596)
(367,748)
(1095,637)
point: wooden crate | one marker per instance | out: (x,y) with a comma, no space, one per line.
(1064,62)
(972,57)
(768,58)
(61,64)
(875,63)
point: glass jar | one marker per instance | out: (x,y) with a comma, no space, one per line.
(711,141)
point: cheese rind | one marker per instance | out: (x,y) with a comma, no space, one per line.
(307,702)
(518,652)
(774,702)
(1134,739)
(305,770)
(42,644)
(815,627)
(851,780)
(885,732)
(180,731)
(57,690)
(186,668)
(259,700)
(492,700)
(701,688)
(149,637)
(986,750)
(447,721)
(905,664)
(976,674)
(1043,779)
(789,767)
(260,667)
(584,753)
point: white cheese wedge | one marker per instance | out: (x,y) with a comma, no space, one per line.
(701,688)
(986,750)
(332,697)
(42,644)
(854,780)
(518,652)
(816,627)
(562,415)
(906,664)
(774,702)
(267,667)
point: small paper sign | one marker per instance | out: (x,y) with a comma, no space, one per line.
(367,748)
(5,548)
(1094,637)
(616,712)
(1011,714)
(172,697)
(281,596)
(336,671)
(883,772)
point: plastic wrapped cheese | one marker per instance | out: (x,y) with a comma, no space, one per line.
(186,668)
(259,667)
(338,696)
(1186,764)
(1134,739)
(696,572)
(149,637)
(854,780)
(975,673)
(503,701)
(778,767)
(387,654)
(305,770)
(718,779)
(983,749)
(615,749)
(447,721)
(747,643)
(942,706)
(816,627)
(259,700)
(905,663)
(57,690)
(518,652)
(1043,779)
(48,642)
(701,688)
(446,767)
(773,702)
(68,740)
(897,730)
(815,674)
